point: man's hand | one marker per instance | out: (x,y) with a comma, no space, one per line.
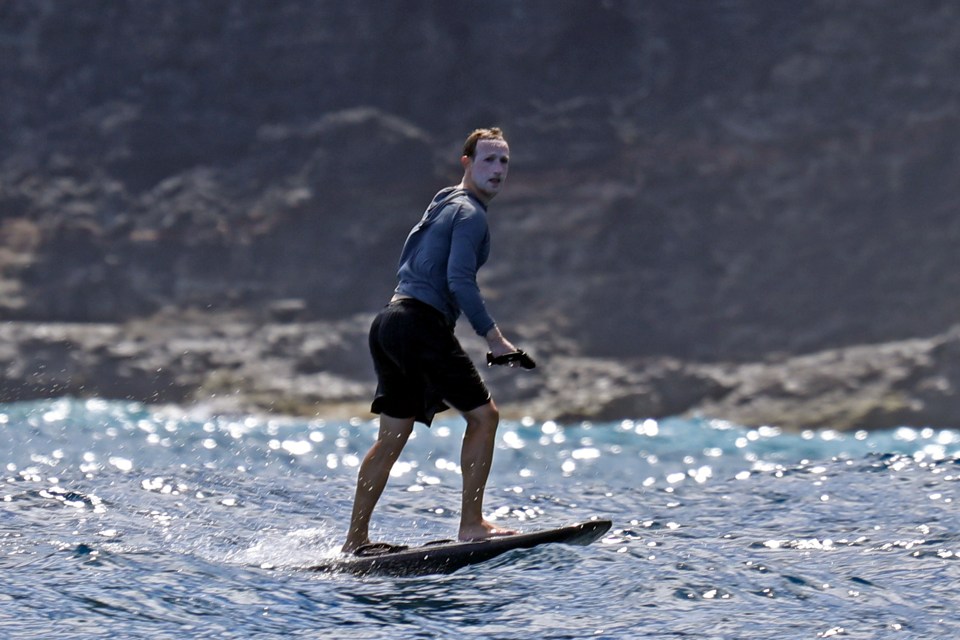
(502,351)
(499,346)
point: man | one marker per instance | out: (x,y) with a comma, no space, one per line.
(420,365)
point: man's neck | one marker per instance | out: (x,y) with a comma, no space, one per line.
(472,190)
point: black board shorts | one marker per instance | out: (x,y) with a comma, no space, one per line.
(421,367)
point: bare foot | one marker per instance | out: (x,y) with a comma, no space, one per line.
(352,545)
(483,531)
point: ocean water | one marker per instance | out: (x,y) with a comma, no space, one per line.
(125,521)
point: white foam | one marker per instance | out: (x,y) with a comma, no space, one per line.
(298,548)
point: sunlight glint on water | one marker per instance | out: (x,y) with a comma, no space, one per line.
(172,523)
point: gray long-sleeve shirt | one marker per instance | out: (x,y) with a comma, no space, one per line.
(442,255)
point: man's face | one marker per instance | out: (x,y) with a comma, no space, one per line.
(485,173)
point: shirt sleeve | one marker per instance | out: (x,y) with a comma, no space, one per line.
(469,246)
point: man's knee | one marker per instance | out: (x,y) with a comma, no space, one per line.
(483,417)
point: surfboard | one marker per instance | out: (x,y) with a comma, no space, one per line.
(446,556)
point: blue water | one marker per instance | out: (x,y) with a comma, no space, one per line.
(124,521)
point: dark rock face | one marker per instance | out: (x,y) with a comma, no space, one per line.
(703,182)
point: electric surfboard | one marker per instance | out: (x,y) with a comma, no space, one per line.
(446,556)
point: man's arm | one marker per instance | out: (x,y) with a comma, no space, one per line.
(468,235)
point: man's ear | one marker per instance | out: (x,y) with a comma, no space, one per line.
(465,162)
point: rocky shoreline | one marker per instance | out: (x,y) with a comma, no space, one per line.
(737,210)
(232,363)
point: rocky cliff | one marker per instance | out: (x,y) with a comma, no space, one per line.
(736,182)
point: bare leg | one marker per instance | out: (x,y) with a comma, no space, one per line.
(373,475)
(475,459)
